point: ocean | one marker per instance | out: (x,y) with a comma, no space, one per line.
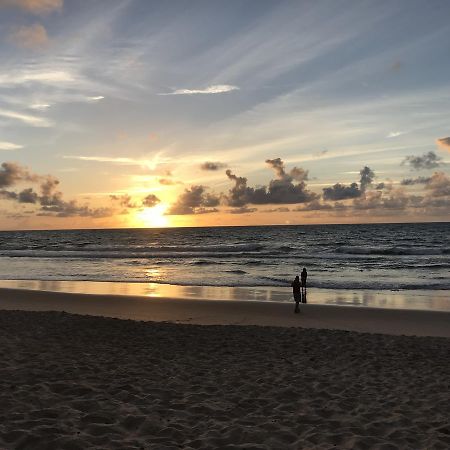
(369,257)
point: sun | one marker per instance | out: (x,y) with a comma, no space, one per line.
(152,217)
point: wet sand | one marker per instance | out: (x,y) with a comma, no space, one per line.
(206,312)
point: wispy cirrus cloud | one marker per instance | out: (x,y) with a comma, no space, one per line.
(39,7)
(40,106)
(9,146)
(110,159)
(215,89)
(28,119)
(30,37)
(36,76)
(394,134)
(150,163)
(95,99)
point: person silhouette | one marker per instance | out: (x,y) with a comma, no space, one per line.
(304,276)
(296,289)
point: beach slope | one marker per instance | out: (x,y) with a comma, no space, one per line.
(77,382)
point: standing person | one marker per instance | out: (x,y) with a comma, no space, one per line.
(296,289)
(304,276)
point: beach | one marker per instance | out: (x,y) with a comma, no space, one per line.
(196,374)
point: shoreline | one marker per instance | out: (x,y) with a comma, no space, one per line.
(227,312)
(427,300)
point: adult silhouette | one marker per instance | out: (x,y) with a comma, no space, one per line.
(296,289)
(304,276)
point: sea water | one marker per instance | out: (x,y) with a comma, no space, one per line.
(370,257)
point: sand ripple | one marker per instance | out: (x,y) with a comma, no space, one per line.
(73,382)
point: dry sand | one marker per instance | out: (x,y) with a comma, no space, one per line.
(83,382)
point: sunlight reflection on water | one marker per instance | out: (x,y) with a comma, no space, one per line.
(437,300)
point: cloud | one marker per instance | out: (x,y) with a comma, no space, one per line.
(315,205)
(194,201)
(296,173)
(444,143)
(124,200)
(427,161)
(9,146)
(212,166)
(8,195)
(397,199)
(118,160)
(12,173)
(215,89)
(148,163)
(28,196)
(394,134)
(281,190)
(50,200)
(367,176)
(168,182)
(242,210)
(439,185)
(40,106)
(95,99)
(31,37)
(25,196)
(342,192)
(71,209)
(25,118)
(150,201)
(53,204)
(413,181)
(39,7)
(36,76)
(281,209)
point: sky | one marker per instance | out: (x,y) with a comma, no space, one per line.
(142,113)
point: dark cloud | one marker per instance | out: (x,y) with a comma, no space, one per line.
(316,205)
(367,176)
(202,210)
(427,161)
(71,209)
(50,200)
(341,192)
(8,195)
(194,201)
(124,200)
(413,181)
(380,186)
(49,195)
(28,196)
(297,173)
(212,166)
(439,185)
(281,209)
(242,210)
(150,200)
(240,194)
(444,143)
(281,190)
(168,182)
(12,173)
